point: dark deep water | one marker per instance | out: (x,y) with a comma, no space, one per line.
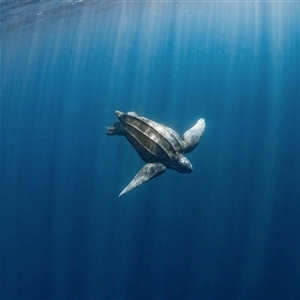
(229,230)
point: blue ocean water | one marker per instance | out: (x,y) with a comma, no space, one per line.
(229,230)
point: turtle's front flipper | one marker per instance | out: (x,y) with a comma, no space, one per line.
(146,173)
(192,137)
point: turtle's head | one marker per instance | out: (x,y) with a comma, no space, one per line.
(184,165)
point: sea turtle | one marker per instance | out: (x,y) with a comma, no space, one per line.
(159,146)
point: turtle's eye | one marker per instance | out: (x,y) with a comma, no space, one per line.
(185,165)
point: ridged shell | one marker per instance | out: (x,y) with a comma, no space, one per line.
(153,142)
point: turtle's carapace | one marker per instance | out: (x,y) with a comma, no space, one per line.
(159,146)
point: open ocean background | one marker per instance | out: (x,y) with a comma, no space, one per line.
(229,230)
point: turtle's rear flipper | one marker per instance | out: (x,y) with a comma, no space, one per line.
(146,173)
(114,129)
(192,136)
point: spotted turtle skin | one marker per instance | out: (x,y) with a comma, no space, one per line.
(157,144)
